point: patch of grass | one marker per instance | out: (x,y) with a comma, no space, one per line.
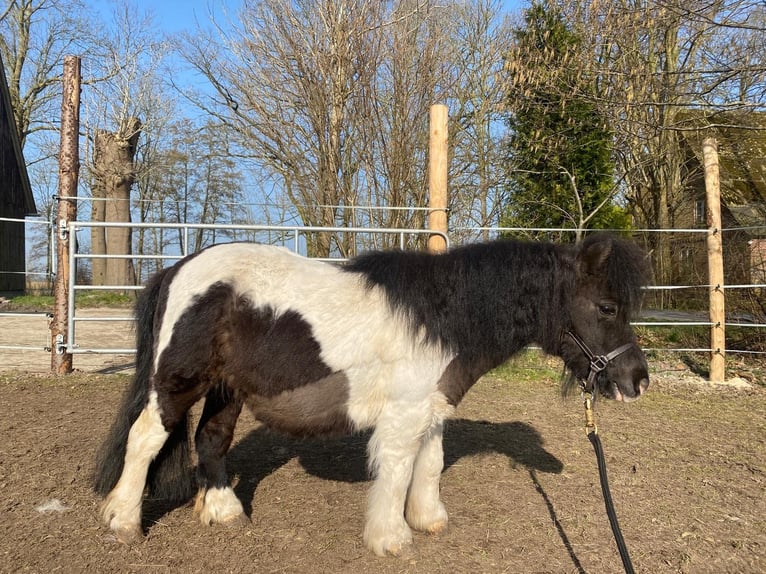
(529,365)
(104,299)
(96,298)
(30,302)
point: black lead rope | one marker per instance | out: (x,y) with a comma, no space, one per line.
(596,442)
(588,386)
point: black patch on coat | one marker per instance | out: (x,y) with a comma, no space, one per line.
(271,359)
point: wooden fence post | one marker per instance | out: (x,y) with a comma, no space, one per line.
(715,261)
(69,168)
(438,165)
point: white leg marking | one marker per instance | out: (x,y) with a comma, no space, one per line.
(393,448)
(219,506)
(425,510)
(121,509)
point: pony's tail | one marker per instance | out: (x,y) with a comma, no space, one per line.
(169,474)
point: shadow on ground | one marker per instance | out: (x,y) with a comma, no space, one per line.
(261,452)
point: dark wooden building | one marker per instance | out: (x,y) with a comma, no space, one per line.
(16,199)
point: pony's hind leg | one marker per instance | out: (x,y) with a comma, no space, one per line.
(121,509)
(216,501)
(425,511)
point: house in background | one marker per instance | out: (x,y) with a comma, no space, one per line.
(742,166)
(16,199)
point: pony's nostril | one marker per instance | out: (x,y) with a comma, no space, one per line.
(641,387)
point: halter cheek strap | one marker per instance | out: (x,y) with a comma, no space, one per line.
(597,362)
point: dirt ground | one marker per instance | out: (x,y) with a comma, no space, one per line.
(31,331)
(687,469)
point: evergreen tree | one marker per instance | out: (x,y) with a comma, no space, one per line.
(560,149)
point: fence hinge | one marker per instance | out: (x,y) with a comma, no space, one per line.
(63,229)
(60,344)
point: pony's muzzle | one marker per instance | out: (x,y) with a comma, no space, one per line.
(639,389)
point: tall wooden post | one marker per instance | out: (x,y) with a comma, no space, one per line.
(69,168)
(438,163)
(715,261)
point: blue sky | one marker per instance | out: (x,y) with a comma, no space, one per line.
(172,15)
(177,15)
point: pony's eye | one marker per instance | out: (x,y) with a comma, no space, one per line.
(607,309)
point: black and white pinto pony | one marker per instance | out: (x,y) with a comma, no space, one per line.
(389,342)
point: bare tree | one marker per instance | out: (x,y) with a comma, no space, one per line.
(35,35)
(284,82)
(120,62)
(117,111)
(332,99)
(480,44)
(196,180)
(411,72)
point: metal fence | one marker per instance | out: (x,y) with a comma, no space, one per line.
(294,237)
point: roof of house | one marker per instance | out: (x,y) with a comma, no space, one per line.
(6,109)
(750,215)
(741,138)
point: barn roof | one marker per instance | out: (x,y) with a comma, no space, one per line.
(8,122)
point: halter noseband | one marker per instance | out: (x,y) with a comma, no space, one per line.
(597,362)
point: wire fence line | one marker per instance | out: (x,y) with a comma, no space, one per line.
(295,232)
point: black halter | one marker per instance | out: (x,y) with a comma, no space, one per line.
(597,362)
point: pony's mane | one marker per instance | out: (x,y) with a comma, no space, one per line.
(500,295)
(474,297)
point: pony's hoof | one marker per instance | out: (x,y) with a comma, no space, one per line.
(436,527)
(232,521)
(129,536)
(432,523)
(403,551)
(400,550)
(219,506)
(238,521)
(399,545)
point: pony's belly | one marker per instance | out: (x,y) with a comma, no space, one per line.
(318,408)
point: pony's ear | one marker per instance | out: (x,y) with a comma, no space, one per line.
(593,255)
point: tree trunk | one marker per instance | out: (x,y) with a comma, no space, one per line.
(98,234)
(114,173)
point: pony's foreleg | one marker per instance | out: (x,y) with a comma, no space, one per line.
(425,510)
(393,447)
(121,509)
(216,501)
